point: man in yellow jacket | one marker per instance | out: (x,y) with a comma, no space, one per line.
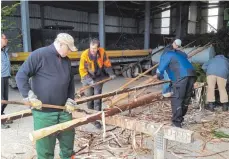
(94,65)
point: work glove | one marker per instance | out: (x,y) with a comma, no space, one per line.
(87,80)
(91,82)
(70,105)
(159,75)
(32,98)
(113,76)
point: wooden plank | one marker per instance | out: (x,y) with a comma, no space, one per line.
(148,127)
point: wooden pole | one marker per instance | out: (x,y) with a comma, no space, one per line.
(17,115)
(120,97)
(196,51)
(28,112)
(86,99)
(29,104)
(100,96)
(89,86)
(146,99)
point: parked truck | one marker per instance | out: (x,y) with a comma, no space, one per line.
(128,63)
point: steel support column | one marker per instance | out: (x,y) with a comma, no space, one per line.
(25,26)
(102,23)
(147,25)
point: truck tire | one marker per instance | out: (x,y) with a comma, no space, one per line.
(127,72)
(124,74)
(117,72)
(136,70)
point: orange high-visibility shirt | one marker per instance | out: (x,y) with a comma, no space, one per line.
(87,65)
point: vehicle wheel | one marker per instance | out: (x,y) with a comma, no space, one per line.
(136,70)
(126,72)
(117,72)
(129,72)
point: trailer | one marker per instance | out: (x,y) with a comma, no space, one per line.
(128,63)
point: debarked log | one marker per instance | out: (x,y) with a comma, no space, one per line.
(141,101)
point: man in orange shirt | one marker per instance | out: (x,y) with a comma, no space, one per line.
(94,65)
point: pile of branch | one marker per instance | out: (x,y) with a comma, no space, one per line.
(118,143)
(220,40)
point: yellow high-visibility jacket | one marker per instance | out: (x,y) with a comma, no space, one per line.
(94,68)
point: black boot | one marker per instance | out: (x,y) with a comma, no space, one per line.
(97,125)
(225,107)
(176,124)
(210,106)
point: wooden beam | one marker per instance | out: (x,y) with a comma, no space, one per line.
(146,127)
(150,128)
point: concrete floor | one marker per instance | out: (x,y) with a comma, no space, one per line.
(15,143)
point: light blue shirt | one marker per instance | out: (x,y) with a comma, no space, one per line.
(218,66)
(5,63)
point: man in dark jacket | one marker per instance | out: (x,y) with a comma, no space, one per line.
(217,70)
(175,46)
(182,75)
(51,83)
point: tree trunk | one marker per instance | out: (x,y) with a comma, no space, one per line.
(146,99)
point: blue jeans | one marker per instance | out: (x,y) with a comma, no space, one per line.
(166,88)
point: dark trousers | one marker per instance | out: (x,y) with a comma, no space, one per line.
(182,93)
(96,104)
(4,91)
